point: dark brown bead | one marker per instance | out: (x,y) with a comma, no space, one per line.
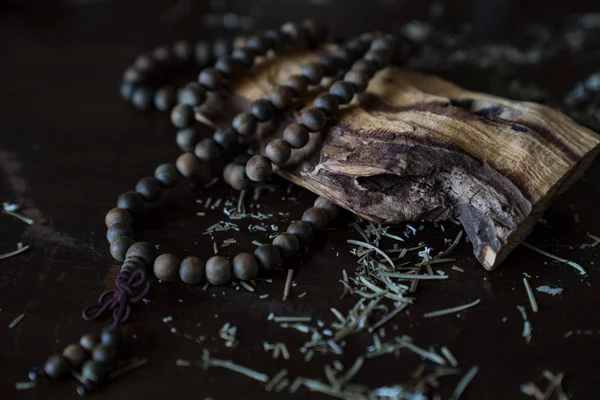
(187,138)
(207,150)
(245,266)
(191,270)
(132,75)
(117,230)
(226,138)
(211,79)
(243,56)
(89,341)
(317,217)
(278,151)
(163,55)
(75,355)
(356,46)
(56,366)
(167,175)
(104,354)
(328,103)
(144,63)
(329,64)
(287,244)
(365,66)
(343,91)
(203,53)
(303,231)
(331,209)
(314,33)
(236,177)
(182,51)
(262,110)
(218,270)
(148,188)
(142,98)
(192,94)
(274,40)
(359,80)
(312,72)
(228,66)
(259,168)
(188,165)
(384,44)
(268,256)
(296,135)
(281,97)
(94,371)
(166,267)
(127,89)
(143,250)
(296,34)
(117,215)
(182,115)
(380,58)
(222,47)
(111,337)
(298,84)
(343,56)
(258,45)
(313,119)
(119,247)
(227,171)
(131,201)
(164,98)
(244,124)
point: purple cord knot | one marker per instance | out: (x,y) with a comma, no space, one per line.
(130,289)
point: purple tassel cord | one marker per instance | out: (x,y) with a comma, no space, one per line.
(130,289)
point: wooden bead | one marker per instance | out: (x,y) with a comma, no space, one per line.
(192,94)
(104,354)
(211,79)
(236,177)
(258,45)
(268,256)
(126,90)
(243,56)
(262,110)
(328,103)
(89,341)
(317,217)
(131,201)
(166,267)
(191,270)
(278,151)
(187,138)
(133,76)
(189,165)
(244,124)
(182,115)
(380,58)
(226,138)
(164,98)
(56,366)
(228,66)
(94,371)
(281,97)
(314,32)
(142,98)
(287,244)
(275,40)
(203,53)
(111,337)
(148,188)
(296,135)
(207,150)
(163,55)
(182,51)
(259,168)
(167,175)
(117,215)
(119,247)
(298,84)
(343,56)
(75,355)
(245,266)
(356,46)
(143,250)
(222,47)
(296,34)
(218,270)
(313,119)
(365,66)
(118,230)
(359,80)
(303,231)
(312,72)
(329,64)
(343,91)
(331,209)
(383,44)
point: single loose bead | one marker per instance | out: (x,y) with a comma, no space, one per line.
(117,215)
(222,47)
(296,135)
(359,80)
(56,366)
(131,201)
(328,103)
(164,98)
(331,209)
(245,266)
(365,66)
(226,138)
(143,250)
(317,217)
(268,256)
(191,94)
(127,89)
(148,188)
(104,354)
(312,72)
(298,84)
(379,57)
(117,230)
(166,175)
(243,56)
(203,53)
(207,150)
(344,91)
(218,270)
(262,110)
(142,98)
(89,341)
(228,66)
(278,151)
(111,337)
(259,168)
(94,371)
(189,165)
(191,270)
(182,51)
(166,267)
(313,119)
(303,231)
(287,244)
(187,138)
(244,124)
(236,177)
(281,97)
(211,79)
(75,355)
(258,44)
(182,115)
(119,247)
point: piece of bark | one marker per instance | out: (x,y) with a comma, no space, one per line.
(417,147)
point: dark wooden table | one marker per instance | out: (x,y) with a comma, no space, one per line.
(69,145)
